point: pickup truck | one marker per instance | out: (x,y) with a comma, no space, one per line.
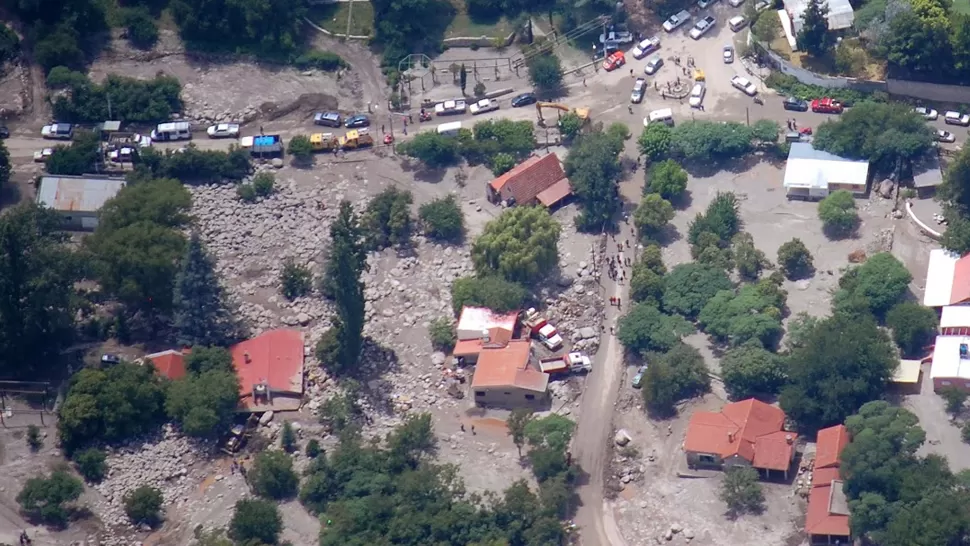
(263,145)
(450,107)
(620,37)
(540,328)
(826,106)
(567,364)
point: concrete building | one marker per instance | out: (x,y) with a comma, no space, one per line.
(950,363)
(746,433)
(504,378)
(813,174)
(539,179)
(77,199)
(827,519)
(947,279)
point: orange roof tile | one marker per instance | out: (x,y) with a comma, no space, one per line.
(820,520)
(170,364)
(530,178)
(735,431)
(274,357)
(824,476)
(509,367)
(829,446)
(467,347)
(555,193)
(960,291)
(774,451)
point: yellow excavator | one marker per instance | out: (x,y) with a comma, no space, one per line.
(583,113)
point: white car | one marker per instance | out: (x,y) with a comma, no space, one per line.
(676,21)
(143,141)
(736,3)
(956,118)
(702,27)
(927,113)
(482,106)
(945,136)
(697,95)
(122,155)
(704,3)
(223,130)
(40,156)
(744,85)
(646,47)
(728,54)
(653,65)
(449,107)
(58,131)
(639,88)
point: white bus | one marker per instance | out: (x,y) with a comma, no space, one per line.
(449,129)
(176,130)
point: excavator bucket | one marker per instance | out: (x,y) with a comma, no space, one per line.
(583,113)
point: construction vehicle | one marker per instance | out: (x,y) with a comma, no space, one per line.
(358,138)
(323,142)
(238,434)
(583,113)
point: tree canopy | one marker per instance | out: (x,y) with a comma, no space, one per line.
(666,178)
(655,141)
(753,312)
(520,245)
(490,291)
(387,220)
(678,374)
(647,277)
(688,287)
(133,100)
(432,148)
(48,499)
(201,315)
(750,370)
(272,475)
(814,37)
(593,168)
(545,73)
(882,133)
(913,326)
(882,282)
(710,141)
(838,214)
(646,328)
(442,219)
(652,216)
(267,27)
(795,260)
(204,404)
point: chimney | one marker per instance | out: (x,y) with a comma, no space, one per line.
(485,337)
(789,439)
(731,437)
(246,357)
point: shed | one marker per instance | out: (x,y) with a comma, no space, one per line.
(813,174)
(950,363)
(927,175)
(77,199)
(907,373)
(840,15)
(475,322)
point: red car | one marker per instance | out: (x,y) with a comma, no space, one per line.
(827,106)
(614,61)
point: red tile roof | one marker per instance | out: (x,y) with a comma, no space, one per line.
(750,429)
(530,178)
(829,446)
(170,364)
(509,367)
(960,291)
(820,520)
(555,193)
(467,347)
(275,358)
(824,476)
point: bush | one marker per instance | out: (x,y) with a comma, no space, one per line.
(493,292)
(9,44)
(313,449)
(838,214)
(264,184)
(387,220)
(322,60)
(431,148)
(46,499)
(795,260)
(81,157)
(300,148)
(255,521)
(479,89)
(789,85)
(668,179)
(137,101)
(272,476)
(674,376)
(295,280)
(61,77)
(144,505)
(192,164)
(246,193)
(442,333)
(59,48)
(141,27)
(913,326)
(741,491)
(502,163)
(443,219)
(288,438)
(90,464)
(33,438)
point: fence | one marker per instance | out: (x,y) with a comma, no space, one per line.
(930,91)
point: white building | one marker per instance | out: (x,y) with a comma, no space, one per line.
(813,174)
(950,366)
(840,15)
(77,198)
(947,279)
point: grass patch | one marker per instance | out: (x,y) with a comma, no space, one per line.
(867,67)
(463,25)
(961,6)
(333,17)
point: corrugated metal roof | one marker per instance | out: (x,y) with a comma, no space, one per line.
(76,193)
(927,172)
(811,168)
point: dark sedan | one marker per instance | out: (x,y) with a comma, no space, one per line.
(4,132)
(798,105)
(524,99)
(354,122)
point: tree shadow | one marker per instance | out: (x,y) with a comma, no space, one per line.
(683,201)
(838,233)
(420,171)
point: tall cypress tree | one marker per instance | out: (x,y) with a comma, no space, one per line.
(814,38)
(339,349)
(201,316)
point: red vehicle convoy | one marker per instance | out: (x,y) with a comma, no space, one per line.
(827,106)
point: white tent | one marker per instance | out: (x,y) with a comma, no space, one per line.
(840,15)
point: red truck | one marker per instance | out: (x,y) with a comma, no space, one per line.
(827,106)
(568,363)
(540,328)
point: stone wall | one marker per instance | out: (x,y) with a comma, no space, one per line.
(808,77)
(480,41)
(930,91)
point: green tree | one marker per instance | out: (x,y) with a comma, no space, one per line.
(502,163)
(300,148)
(688,288)
(545,73)
(342,412)
(272,475)
(647,277)
(313,449)
(741,490)
(913,326)
(82,156)
(432,148)
(795,260)
(882,281)
(710,141)
(570,124)
(5,168)
(340,350)
(520,245)
(141,27)
(90,464)
(748,260)
(666,178)
(674,376)
(36,297)
(442,333)
(33,438)
(593,168)
(750,370)
(288,438)
(517,423)
(296,280)
(9,44)
(814,37)
(845,362)
(255,521)
(201,316)
(955,399)
(264,183)
(955,189)
(766,27)
(492,292)
(48,499)
(255,26)
(956,238)
(721,219)
(655,141)
(443,219)
(499,136)
(838,214)
(652,216)
(646,328)
(205,359)
(751,313)
(387,220)
(479,89)
(915,45)
(765,131)
(203,404)
(144,505)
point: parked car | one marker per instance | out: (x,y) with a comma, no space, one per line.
(482,106)
(956,118)
(639,88)
(653,65)
(354,122)
(638,378)
(945,136)
(827,106)
(614,61)
(110,359)
(697,95)
(4,132)
(737,23)
(928,113)
(703,4)
(647,46)
(676,21)
(735,3)
(524,99)
(702,27)
(58,131)
(328,119)
(744,85)
(41,156)
(450,108)
(728,54)
(795,104)
(223,130)
(621,37)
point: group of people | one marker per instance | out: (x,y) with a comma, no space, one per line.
(24,539)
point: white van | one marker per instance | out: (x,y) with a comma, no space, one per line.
(737,23)
(176,130)
(449,129)
(664,115)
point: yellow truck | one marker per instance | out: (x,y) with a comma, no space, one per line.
(357,138)
(323,142)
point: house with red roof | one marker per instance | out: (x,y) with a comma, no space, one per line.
(745,433)
(539,179)
(270,371)
(170,363)
(504,377)
(827,519)
(479,328)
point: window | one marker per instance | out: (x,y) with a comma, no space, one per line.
(706,459)
(533,397)
(945,383)
(479,393)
